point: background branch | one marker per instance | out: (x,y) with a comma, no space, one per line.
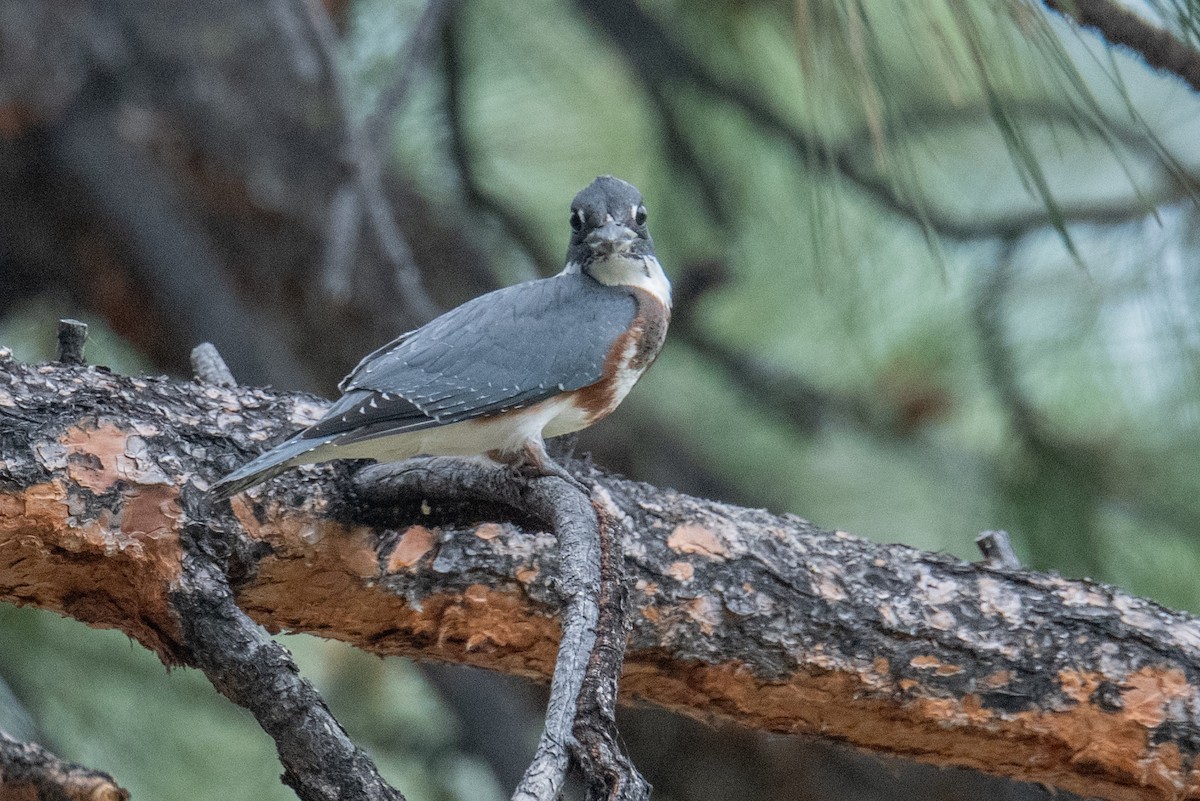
(463,156)
(364,145)
(1123,27)
(172,253)
(426,33)
(664,64)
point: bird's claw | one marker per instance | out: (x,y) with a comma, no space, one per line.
(534,464)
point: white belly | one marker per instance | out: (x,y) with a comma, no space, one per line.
(506,433)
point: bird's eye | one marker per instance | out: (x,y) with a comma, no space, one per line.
(639,216)
(577,220)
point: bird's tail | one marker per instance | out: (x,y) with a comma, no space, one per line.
(268,465)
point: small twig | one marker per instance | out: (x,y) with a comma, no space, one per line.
(580,717)
(72,338)
(249,668)
(29,771)
(997,549)
(209,367)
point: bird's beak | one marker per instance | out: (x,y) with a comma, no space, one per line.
(610,238)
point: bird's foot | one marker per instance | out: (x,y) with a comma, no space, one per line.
(532,461)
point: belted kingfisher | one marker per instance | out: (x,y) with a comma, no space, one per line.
(500,372)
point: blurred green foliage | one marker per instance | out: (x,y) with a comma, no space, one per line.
(101,699)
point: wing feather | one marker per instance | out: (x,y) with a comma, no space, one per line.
(504,350)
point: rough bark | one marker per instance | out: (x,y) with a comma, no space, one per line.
(248,667)
(590,580)
(737,613)
(29,772)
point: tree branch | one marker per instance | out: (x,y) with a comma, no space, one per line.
(249,668)
(29,771)
(1119,26)
(764,620)
(581,714)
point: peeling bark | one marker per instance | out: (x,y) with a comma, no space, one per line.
(737,613)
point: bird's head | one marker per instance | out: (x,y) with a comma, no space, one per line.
(610,241)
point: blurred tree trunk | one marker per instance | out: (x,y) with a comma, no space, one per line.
(172,167)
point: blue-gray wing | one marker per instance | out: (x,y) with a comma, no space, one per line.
(504,350)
